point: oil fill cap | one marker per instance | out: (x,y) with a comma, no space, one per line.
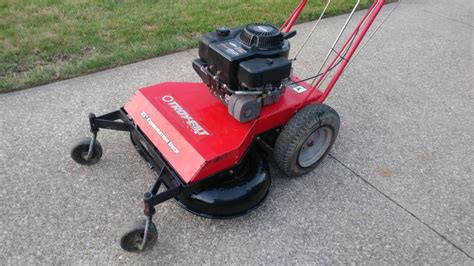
(222,31)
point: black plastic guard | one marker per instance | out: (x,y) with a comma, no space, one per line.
(236,192)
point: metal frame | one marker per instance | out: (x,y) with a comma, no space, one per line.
(161,168)
(151,198)
(165,174)
(355,38)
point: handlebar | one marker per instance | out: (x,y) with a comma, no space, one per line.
(345,53)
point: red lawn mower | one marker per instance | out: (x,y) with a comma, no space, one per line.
(208,142)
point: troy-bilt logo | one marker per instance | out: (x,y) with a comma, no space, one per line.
(160,133)
(197,129)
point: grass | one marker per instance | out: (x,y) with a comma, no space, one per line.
(47,40)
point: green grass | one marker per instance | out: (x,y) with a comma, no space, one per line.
(47,40)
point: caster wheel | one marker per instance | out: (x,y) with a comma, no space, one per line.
(306,139)
(132,240)
(80,150)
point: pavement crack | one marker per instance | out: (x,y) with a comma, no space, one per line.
(400,206)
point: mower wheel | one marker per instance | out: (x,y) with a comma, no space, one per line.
(132,240)
(306,139)
(80,150)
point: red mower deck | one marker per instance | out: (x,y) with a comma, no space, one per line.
(194,131)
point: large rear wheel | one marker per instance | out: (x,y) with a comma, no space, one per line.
(306,139)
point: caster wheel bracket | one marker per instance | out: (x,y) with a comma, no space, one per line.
(145,233)
(90,152)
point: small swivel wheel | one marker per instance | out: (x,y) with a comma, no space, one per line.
(306,139)
(83,153)
(133,239)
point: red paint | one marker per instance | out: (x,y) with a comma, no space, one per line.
(286,27)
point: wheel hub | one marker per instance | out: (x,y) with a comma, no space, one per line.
(315,146)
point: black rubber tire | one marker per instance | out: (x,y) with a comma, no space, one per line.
(297,130)
(79,151)
(133,237)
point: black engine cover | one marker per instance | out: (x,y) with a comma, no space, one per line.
(224,50)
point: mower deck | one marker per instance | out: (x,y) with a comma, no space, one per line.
(227,194)
(194,131)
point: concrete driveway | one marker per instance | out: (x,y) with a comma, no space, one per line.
(398,186)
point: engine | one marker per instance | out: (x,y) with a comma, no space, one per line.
(246,68)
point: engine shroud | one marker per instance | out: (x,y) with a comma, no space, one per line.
(245,66)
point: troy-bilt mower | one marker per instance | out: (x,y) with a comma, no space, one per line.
(206,141)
